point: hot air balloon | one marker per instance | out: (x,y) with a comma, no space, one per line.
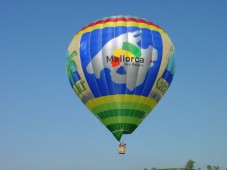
(120,67)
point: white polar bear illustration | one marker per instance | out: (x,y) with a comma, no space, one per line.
(135,74)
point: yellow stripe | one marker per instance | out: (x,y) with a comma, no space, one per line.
(121,98)
(123,105)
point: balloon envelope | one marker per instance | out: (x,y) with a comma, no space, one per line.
(120,67)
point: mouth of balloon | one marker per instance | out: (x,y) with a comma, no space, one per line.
(118,133)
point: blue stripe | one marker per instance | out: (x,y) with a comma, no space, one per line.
(167,76)
(154,39)
(85,59)
(76,76)
(95,47)
(153,71)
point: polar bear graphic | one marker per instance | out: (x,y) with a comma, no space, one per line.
(135,73)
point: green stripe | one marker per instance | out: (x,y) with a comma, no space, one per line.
(121,112)
(121,119)
(131,48)
(126,128)
(123,105)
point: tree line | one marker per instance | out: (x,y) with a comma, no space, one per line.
(189,166)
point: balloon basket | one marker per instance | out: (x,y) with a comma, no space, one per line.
(122,148)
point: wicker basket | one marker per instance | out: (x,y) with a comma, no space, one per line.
(122,148)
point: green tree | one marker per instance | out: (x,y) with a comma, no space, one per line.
(190,165)
(209,167)
(153,169)
(145,169)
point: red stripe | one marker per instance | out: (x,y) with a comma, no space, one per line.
(120,19)
(132,19)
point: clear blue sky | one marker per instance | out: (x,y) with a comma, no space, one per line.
(44,126)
